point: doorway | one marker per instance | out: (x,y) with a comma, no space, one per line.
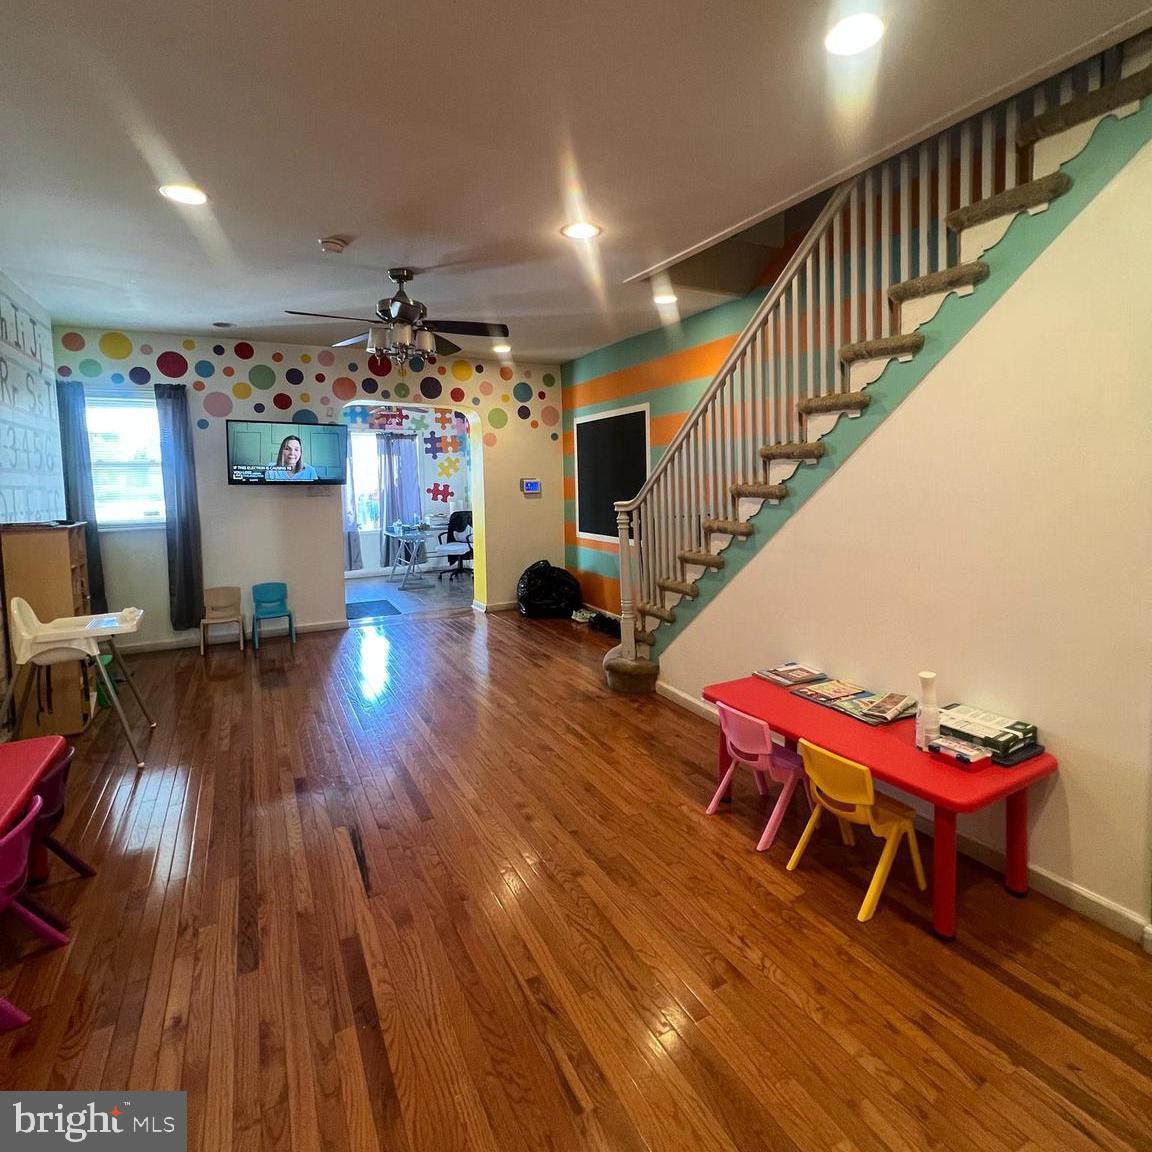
(407,512)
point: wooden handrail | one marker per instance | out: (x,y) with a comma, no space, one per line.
(835,203)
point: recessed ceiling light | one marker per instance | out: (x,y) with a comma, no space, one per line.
(501,349)
(854,34)
(581,230)
(664,298)
(184,193)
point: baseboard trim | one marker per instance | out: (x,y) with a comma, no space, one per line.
(1090,904)
(494,606)
(192,639)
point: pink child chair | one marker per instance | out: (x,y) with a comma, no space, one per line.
(749,742)
(14,847)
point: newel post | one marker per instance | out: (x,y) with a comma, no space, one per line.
(627,616)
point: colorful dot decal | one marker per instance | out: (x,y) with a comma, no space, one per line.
(522,391)
(205,368)
(277,357)
(416,363)
(241,390)
(198,385)
(343,388)
(327,357)
(369,385)
(401,389)
(73,341)
(201,423)
(294,376)
(188,345)
(457,394)
(258,408)
(431,388)
(305,416)
(377,365)
(139,375)
(116,346)
(218,404)
(244,350)
(145,349)
(462,371)
(282,401)
(542,395)
(89,368)
(325,400)
(263,376)
(548,379)
(353,366)
(441,370)
(485,388)
(550,416)
(505,373)
(305,398)
(489,440)
(497,418)
(64,371)
(505,398)
(117,377)
(319,377)
(305,358)
(555,435)
(218,350)
(229,370)
(523,411)
(172,364)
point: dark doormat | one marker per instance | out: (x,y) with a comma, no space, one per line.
(369,609)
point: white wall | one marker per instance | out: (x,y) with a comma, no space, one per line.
(997,528)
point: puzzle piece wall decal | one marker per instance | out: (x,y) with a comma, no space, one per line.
(445,418)
(432,444)
(440,492)
(447,466)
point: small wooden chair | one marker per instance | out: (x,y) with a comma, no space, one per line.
(221,606)
(844,789)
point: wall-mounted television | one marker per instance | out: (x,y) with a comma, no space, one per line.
(278,452)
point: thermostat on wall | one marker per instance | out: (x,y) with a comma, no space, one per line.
(530,487)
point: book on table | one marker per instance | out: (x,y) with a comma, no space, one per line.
(790,674)
(864,707)
(828,690)
(961,750)
(1001,735)
(890,706)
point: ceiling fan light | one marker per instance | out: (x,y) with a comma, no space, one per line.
(425,341)
(402,334)
(377,341)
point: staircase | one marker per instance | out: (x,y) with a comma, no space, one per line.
(888,249)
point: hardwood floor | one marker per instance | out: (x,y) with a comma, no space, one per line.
(428,886)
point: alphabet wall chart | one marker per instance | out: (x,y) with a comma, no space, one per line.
(31,478)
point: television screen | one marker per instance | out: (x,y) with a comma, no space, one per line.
(271,452)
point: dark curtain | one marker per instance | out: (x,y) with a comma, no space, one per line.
(181,508)
(79,501)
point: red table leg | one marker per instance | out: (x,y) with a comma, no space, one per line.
(1016,843)
(944,874)
(723,760)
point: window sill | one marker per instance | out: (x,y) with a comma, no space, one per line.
(149,527)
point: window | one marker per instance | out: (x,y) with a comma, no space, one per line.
(365,480)
(124,441)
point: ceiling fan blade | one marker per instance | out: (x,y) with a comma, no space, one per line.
(445,347)
(466,328)
(352,340)
(330,316)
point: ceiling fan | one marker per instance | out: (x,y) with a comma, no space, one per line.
(401,328)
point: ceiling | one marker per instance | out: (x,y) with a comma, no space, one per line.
(454,137)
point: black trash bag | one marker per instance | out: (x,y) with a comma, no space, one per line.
(544,590)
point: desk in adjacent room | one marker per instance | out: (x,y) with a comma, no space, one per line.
(890,752)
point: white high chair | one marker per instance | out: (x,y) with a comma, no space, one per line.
(38,644)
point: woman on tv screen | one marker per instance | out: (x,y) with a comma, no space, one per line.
(290,462)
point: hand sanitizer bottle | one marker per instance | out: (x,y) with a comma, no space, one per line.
(928,714)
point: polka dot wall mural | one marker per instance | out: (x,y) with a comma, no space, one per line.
(239,379)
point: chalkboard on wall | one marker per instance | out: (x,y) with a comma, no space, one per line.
(611,465)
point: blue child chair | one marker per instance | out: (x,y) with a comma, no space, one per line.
(270,602)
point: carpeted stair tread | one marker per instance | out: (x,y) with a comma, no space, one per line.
(730,527)
(658,612)
(1010,201)
(947,279)
(643,637)
(759,491)
(834,402)
(698,556)
(792,451)
(1086,107)
(680,587)
(882,348)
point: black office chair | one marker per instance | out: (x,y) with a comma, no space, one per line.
(456,544)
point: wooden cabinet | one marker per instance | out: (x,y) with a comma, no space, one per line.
(47,565)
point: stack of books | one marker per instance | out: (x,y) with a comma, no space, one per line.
(790,674)
(1007,740)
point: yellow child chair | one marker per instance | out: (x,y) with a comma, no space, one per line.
(844,789)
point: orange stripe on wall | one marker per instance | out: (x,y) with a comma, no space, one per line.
(601,592)
(676,368)
(569,487)
(664,428)
(570,537)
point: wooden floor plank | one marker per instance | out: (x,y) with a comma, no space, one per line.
(427,885)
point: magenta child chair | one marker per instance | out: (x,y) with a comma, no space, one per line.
(14,847)
(749,742)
